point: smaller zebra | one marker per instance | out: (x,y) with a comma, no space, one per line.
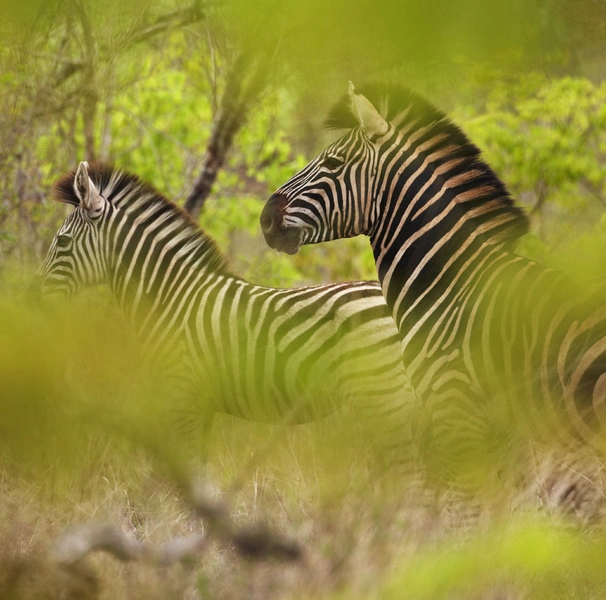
(254,352)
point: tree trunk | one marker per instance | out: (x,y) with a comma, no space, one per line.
(233,112)
(89,92)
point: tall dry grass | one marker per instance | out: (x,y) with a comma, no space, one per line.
(85,438)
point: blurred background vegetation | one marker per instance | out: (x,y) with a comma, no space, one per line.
(175,89)
(217,104)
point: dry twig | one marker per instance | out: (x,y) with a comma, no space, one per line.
(257,541)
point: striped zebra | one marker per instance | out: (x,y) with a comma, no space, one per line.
(259,353)
(488,336)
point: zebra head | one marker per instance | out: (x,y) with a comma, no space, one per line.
(74,259)
(331,197)
(402,169)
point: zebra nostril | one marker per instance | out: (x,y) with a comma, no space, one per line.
(266,223)
(271,219)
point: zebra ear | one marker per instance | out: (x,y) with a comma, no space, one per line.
(371,122)
(86,191)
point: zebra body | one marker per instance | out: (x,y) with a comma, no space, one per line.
(254,352)
(480,326)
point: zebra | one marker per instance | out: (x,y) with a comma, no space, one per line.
(259,353)
(482,329)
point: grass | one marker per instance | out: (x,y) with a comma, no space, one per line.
(318,502)
(77,419)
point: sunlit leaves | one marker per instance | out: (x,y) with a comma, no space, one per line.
(552,133)
(546,139)
(522,558)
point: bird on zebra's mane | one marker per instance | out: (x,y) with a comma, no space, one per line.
(493,342)
(224,344)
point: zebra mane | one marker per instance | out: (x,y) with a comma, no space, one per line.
(129,192)
(406,108)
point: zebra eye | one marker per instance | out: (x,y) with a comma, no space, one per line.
(332,163)
(63,241)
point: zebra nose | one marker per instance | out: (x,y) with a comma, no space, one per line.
(271,215)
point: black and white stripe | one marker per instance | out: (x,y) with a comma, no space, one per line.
(482,329)
(255,352)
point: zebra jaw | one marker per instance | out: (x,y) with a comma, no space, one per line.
(288,240)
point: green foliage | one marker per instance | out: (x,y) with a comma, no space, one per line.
(546,138)
(324,42)
(544,132)
(156,102)
(80,419)
(521,558)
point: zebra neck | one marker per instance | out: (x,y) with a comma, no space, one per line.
(437,211)
(154,266)
(416,270)
(424,250)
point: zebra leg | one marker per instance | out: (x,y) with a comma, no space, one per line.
(464,451)
(204,442)
(197,441)
(191,424)
(388,424)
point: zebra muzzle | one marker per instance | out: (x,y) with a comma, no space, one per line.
(278,237)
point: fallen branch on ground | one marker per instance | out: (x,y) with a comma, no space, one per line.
(255,541)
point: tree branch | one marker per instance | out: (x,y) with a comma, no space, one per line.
(178,18)
(76,544)
(256,542)
(233,112)
(89,93)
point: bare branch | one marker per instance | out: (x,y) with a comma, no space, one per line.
(541,194)
(236,103)
(88,93)
(76,544)
(594,190)
(256,541)
(178,18)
